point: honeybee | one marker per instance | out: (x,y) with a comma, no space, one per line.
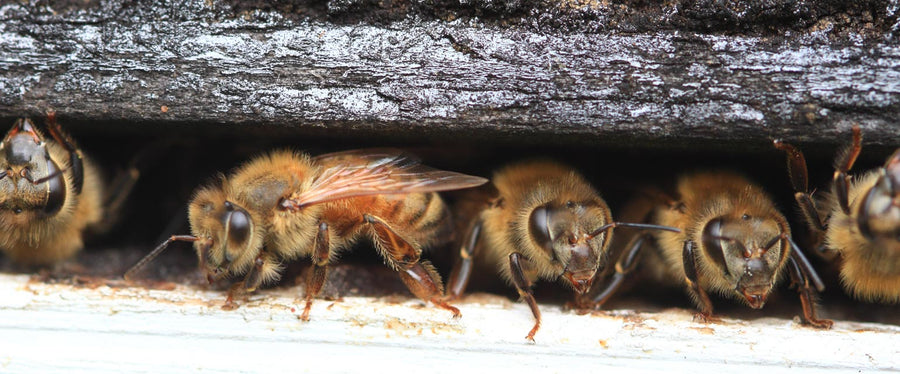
(859,219)
(49,194)
(285,205)
(541,220)
(733,242)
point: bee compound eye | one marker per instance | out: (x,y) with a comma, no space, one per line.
(238,226)
(712,242)
(56,190)
(539,226)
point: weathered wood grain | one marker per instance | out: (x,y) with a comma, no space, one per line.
(189,62)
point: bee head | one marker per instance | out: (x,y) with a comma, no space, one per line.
(879,213)
(747,251)
(30,180)
(228,241)
(566,230)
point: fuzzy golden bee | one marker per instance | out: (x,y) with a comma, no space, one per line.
(286,205)
(733,242)
(859,220)
(49,194)
(540,220)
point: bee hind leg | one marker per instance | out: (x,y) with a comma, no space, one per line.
(423,281)
(842,165)
(799,176)
(419,276)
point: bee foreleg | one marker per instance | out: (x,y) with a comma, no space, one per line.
(523,285)
(264,269)
(319,271)
(692,277)
(626,264)
(420,277)
(462,271)
(236,290)
(800,280)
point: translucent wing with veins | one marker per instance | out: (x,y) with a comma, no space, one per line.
(377,171)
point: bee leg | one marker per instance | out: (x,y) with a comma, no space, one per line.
(626,264)
(263,268)
(319,271)
(398,251)
(800,278)
(842,164)
(419,276)
(236,290)
(122,185)
(462,271)
(116,195)
(523,285)
(692,277)
(797,171)
(76,164)
(423,280)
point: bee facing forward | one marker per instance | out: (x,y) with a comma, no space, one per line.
(286,205)
(49,194)
(861,220)
(733,242)
(542,221)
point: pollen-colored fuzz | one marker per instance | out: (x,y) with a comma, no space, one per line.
(870,270)
(285,205)
(34,239)
(707,196)
(524,187)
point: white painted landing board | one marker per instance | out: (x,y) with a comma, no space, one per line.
(57,328)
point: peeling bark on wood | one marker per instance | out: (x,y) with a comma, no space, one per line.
(194,62)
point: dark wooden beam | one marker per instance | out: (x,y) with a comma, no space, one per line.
(189,62)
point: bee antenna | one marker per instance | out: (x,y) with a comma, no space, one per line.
(643,226)
(774,240)
(744,249)
(129,275)
(805,266)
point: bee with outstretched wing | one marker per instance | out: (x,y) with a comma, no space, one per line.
(286,205)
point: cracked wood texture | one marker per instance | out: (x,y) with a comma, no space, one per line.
(555,71)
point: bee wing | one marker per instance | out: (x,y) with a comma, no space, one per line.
(378,171)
